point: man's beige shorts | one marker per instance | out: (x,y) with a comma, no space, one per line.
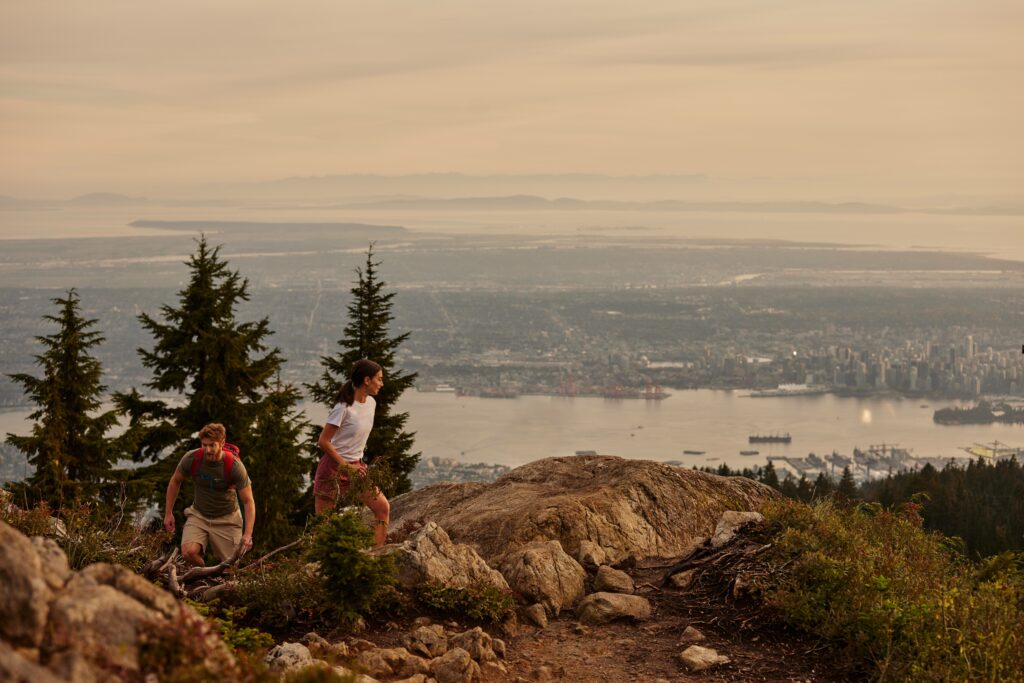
(220,534)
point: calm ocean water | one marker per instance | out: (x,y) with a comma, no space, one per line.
(516,431)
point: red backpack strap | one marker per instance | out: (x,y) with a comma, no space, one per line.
(230,454)
(197,462)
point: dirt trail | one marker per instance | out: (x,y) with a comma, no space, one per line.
(650,651)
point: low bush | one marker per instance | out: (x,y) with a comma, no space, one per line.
(89,533)
(479,602)
(355,581)
(898,598)
(287,592)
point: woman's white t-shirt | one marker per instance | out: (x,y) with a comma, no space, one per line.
(354,423)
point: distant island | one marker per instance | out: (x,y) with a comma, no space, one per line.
(226,226)
(982,413)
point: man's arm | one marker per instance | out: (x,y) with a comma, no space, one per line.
(250,516)
(173,486)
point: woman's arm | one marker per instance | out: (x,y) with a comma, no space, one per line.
(326,434)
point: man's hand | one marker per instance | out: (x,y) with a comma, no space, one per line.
(246,544)
(169,522)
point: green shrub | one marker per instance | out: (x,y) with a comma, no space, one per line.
(236,637)
(479,602)
(355,581)
(282,593)
(895,595)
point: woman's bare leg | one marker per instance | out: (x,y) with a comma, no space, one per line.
(381,509)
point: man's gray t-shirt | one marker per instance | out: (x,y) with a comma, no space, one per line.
(214,498)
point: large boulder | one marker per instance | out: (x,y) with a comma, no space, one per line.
(455,666)
(429,556)
(542,572)
(601,608)
(627,507)
(26,591)
(88,626)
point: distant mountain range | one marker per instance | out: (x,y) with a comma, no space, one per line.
(531,202)
(370,193)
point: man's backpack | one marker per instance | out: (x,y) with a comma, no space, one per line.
(231,453)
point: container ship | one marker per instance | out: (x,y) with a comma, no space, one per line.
(770,438)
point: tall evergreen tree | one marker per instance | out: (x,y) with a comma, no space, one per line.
(769,476)
(275,462)
(68,446)
(366,335)
(847,487)
(219,368)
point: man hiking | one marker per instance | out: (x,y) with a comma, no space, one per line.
(213,520)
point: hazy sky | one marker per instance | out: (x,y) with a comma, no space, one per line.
(872,97)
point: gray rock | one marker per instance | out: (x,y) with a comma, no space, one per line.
(54,562)
(591,555)
(691,635)
(17,669)
(392,661)
(601,608)
(415,678)
(429,556)
(288,656)
(729,522)
(542,572)
(683,580)
(536,615)
(696,658)
(26,594)
(98,622)
(427,641)
(477,643)
(612,581)
(128,582)
(317,644)
(455,666)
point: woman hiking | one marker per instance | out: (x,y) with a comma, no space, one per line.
(343,440)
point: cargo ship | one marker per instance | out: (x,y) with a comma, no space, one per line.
(770,438)
(748,452)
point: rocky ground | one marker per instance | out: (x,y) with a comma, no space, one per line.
(563,535)
(649,651)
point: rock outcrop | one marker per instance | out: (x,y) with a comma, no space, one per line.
(429,556)
(88,625)
(625,507)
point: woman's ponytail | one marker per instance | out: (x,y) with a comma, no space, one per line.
(361,371)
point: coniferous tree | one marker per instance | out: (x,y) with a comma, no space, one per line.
(366,335)
(275,462)
(68,446)
(847,487)
(769,476)
(219,368)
